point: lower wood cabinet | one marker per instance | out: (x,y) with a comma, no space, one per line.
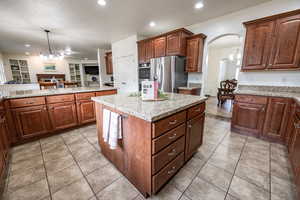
(4,139)
(63,115)
(86,111)
(194,135)
(248,118)
(31,121)
(276,119)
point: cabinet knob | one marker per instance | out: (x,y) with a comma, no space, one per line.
(190,126)
(297,126)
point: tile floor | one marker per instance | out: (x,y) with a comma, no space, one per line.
(227,166)
(223,112)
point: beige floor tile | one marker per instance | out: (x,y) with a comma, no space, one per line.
(25,147)
(56,153)
(216,176)
(253,175)
(281,171)
(72,136)
(26,164)
(91,163)
(25,177)
(168,192)
(50,141)
(101,178)
(194,165)
(26,153)
(225,163)
(79,190)
(256,163)
(183,197)
(60,163)
(83,153)
(182,179)
(200,189)
(64,177)
(282,189)
(119,190)
(36,191)
(230,197)
(247,191)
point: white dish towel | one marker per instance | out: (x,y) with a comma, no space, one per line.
(112,128)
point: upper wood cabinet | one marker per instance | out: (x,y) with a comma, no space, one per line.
(173,43)
(109,63)
(273,43)
(276,118)
(194,53)
(160,46)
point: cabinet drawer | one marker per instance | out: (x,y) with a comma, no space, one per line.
(167,138)
(24,102)
(166,173)
(60,98)
(196,110)
(168,123)
(251,99)
(166,155)
(108,92)
(85,96)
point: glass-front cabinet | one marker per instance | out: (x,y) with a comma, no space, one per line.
(75,74)
(20,71)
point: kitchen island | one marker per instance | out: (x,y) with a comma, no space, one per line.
(158,138)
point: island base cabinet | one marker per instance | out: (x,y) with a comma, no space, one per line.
(86,111)
(63,115)
(194,135)
(31,121)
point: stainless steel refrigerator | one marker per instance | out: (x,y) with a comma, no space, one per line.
(169,72)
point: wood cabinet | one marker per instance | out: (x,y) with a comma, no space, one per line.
(160,44)
(248,118)
(149,50)
(273,43)
(63,115)
(294,148)
(109,63)
(4,136)
(86,111)
(177,43)
(194,135)
(276,121)
(141,52)
(194,53)
(31,121)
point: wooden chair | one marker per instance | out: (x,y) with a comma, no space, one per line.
(70,84)
(226,90)
(47,85)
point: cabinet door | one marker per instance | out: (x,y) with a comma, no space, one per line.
(149,50)
(86,111)
(276,119)
(286,47)
(290,126)
(194,135)
(141,52)
(63,115)
(160,47)
(294,149)
(4,136)
(31,121)
(193,47)
(108,60)
(173,44)
(248,118)
(257,46)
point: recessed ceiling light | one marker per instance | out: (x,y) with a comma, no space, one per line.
(27,45)
(102,2)
(199,5)
(152,24)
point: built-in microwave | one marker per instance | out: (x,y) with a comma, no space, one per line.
(144,73)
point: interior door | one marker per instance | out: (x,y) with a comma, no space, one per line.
(257,45)
(286,47)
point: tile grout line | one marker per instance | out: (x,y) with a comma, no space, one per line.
(218,144)
(46,173)
(236,167)
(270,176)
(79,168)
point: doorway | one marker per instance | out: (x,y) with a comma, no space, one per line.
(224,59)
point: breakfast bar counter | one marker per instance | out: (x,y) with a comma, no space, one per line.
(158,137)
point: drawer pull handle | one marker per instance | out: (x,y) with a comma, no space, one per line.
(173,136)
(173,122)
(30,102)
(190,126)
(172,153)
(172,170)
(198,110)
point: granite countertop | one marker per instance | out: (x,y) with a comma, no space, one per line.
(47,92)
(149,110)
(272,91)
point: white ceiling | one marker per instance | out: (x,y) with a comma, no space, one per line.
(85,26)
